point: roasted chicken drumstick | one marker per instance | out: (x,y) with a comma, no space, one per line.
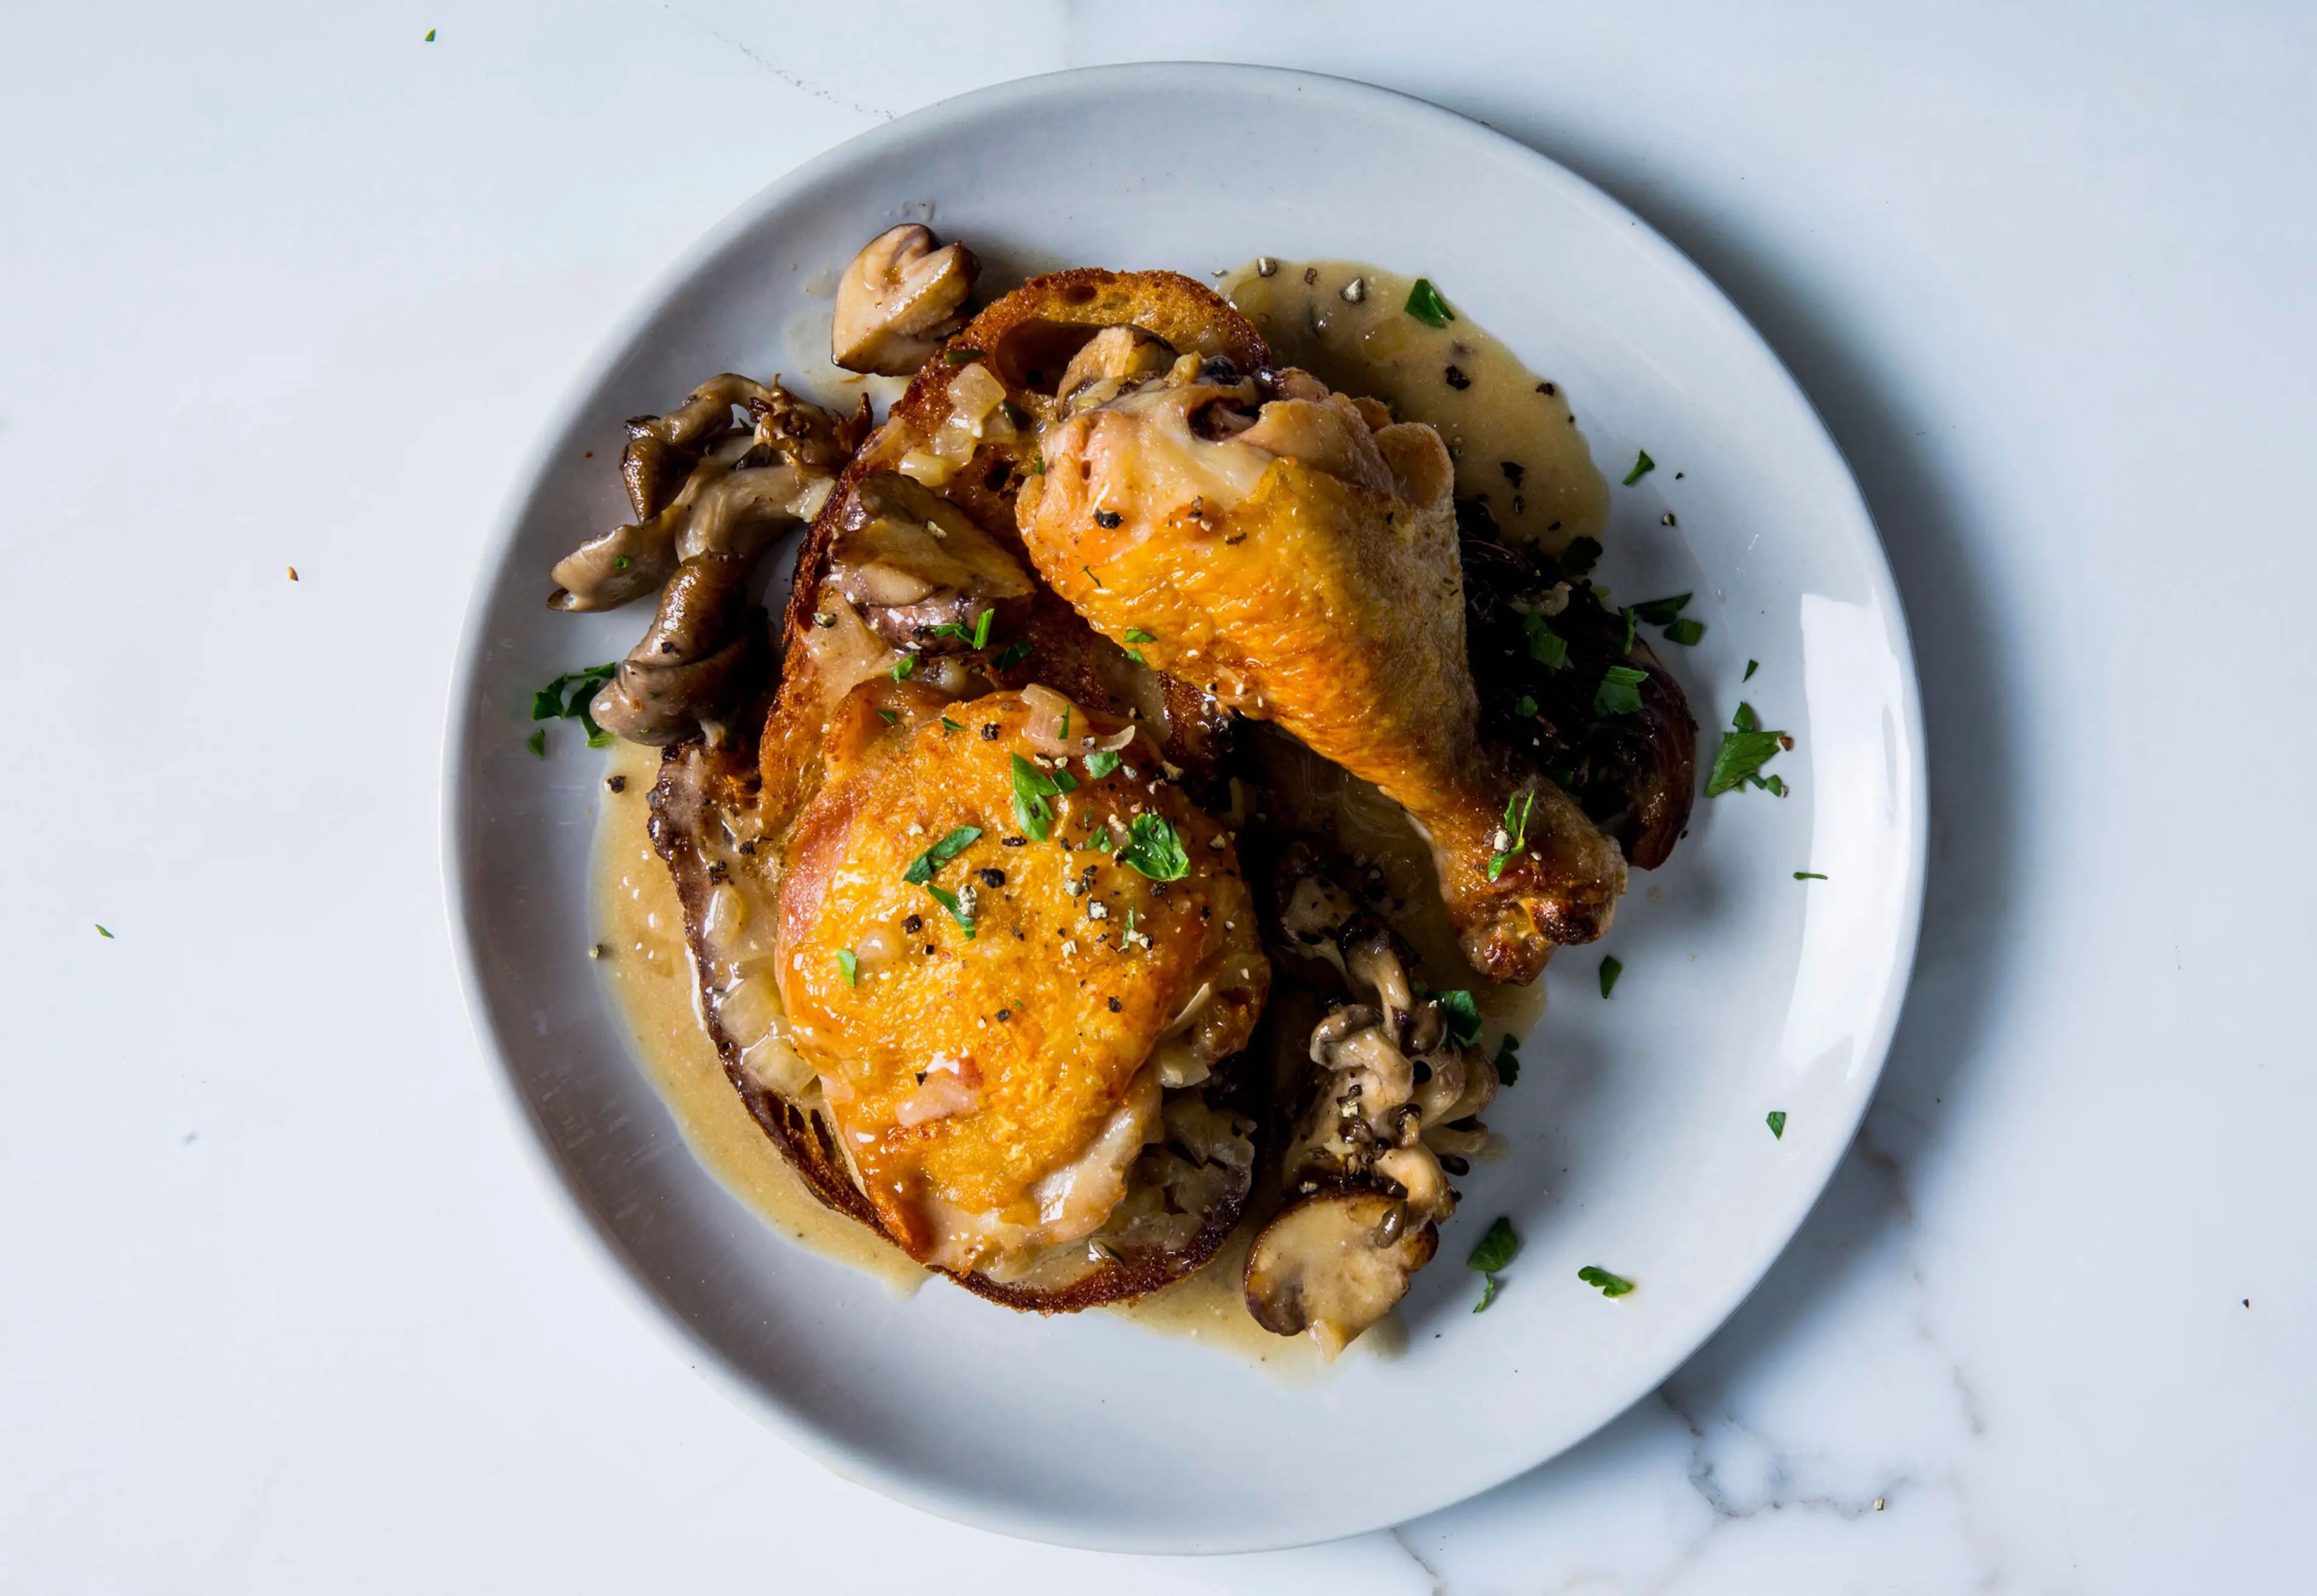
(1295,551)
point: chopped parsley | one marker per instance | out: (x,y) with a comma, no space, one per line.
(1776,1121)
(620,562)
(1752,666)
(1660,612)
(1618,693)
(1135,634)
(976,636)
(537,743)
(921,868)
(902,667)
(1013,654)
(1153,848)
(1508,1060)
(108,936)
(1686,632)
(960,357)
(1643,466)
(1547,647)
(1581,555)
(1031,788)
(1463,1014)
(430,37)
(1593,1275)
(1063,734)
(1495,1249)
(1808,876)
(1424,303)
(1524,706)
(1516,830)
(1745,749)
(948,900)
(1625,613)
(849,965)
(548,703)
(1090,575)
(889,716)
(1611,967)
(1101,763)
(949,726)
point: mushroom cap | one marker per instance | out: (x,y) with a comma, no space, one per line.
(1333,1264)
(897,298)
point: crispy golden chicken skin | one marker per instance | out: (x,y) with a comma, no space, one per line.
(1294,551)
(992,992)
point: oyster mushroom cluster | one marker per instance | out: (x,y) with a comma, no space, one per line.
(714,483)
(1392,1110)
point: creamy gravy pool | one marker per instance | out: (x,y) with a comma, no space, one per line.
(1503,413)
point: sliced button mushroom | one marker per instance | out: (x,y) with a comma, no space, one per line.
(910,561)
(1333,1264)
(898,298)
(1113,359)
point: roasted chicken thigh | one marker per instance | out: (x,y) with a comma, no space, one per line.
(996,966)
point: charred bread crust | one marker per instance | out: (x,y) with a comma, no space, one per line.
(698,783)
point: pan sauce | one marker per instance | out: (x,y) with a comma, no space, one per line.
(1370,346)
(1502,414)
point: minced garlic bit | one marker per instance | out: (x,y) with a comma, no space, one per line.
(1355,291)
(1098,910)
(1265,266)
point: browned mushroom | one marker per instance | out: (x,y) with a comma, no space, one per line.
(705,638)
(743,488)
(662,450)
(898,298)
(1334,1263)
(1392,1091)
(910,561)
(1635,775)
(1113,360)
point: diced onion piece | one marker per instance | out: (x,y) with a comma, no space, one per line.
(930,470)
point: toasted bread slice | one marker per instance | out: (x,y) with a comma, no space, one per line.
(721,812)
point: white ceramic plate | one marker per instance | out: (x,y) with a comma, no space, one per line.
(1639,1123)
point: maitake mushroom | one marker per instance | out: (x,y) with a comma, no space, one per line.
(898,298)
(710,497)
(1392,1110)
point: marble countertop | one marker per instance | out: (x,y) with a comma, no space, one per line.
(288,1309)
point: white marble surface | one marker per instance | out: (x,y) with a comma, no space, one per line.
(285,1307)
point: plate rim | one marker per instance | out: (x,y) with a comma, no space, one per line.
(828,1445)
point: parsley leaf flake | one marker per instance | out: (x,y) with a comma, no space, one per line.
(1618,693)
(921,868)
(1424,303)
(1153,848)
